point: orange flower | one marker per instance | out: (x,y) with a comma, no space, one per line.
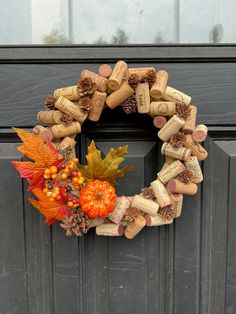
(97,199)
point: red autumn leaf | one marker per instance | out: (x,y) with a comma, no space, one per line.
(52,210)
(44,156)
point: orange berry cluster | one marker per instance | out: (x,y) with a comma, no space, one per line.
(53,194)
(68,177)
(71,170)
(72,203)
(50,173)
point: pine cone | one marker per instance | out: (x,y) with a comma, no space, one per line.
(183,110)
(186,176)
(166,213)
(50,102)
(133,80)
(65,119)
(148,193)
(177,139)
(85,104)
(86,87)
(149,77)
(77,223)
(131,214)
(129,106)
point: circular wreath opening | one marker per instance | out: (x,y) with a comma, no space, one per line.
(84,196)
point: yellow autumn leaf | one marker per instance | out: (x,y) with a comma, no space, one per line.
(106,169)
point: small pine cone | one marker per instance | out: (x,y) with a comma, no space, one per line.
(167,213)
(65,119)
(133,80)
(85,104)
(148,193)
(131,214)
(177,139)
(50,102)
(186,176)
(144,79)
(183,110)
(86,87)
(130,105)
(77,223)
(151,77)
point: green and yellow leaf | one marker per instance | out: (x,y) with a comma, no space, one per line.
(106,169)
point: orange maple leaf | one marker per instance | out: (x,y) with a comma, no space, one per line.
(44,156)
(52,210)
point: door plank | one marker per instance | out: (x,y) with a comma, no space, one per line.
(13,270)
(211,85)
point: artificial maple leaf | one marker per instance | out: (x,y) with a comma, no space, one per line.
(104,169)
(52,210)
(44,156)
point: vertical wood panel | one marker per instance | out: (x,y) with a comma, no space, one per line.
(13,288)
(231,249)
(214,237)
(186,255)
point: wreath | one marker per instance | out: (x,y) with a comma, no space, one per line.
(84,196)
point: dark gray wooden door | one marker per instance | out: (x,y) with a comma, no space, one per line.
(187,267)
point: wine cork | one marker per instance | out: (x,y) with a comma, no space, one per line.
(147,206)
(56,142)
(130,198)
(70,109)
(105,70)
(180,153)
(49,117)
(98,101)
(119,96)
(171,171)
(142,96)
(66,146)
(164,166)
(196,148)
(162,108)
(193,165)
(101,82)
(161,193)
(122,204)
(170,128)
(141,72)
(175,95)
(200,133)
(159,87)
(159,121)
(117,75)
(169,160)
(153,221)
(190,121)
(110,230)
(176,186)
(177,203)
(95,222)
(71,155)
(135,227)
(63,131)
(70,93)
(43,132)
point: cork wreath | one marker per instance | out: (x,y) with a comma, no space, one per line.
(84,196)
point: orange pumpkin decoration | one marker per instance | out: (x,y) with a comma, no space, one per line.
(97,199)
